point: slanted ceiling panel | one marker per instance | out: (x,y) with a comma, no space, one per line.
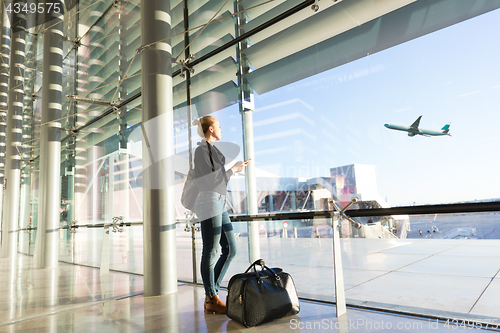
(317,28)
(277,9)
(204,13)
(261,7)
(409,22)
(214,34)
(214,76)
(214,100)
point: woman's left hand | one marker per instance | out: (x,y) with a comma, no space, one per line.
(239,166)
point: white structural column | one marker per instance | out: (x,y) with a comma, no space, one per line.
(4,88)
(28,134)
(47,239)
(246,109)
(24,212)
(14,132)
(251,185)
(160,263)
(24,203)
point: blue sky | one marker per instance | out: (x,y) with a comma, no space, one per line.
(336,118)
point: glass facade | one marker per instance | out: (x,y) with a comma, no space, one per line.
(320,86)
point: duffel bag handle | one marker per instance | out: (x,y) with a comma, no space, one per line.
(262,264)
(259,262)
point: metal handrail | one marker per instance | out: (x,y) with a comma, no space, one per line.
(479,207)
(101,225)
(406,210)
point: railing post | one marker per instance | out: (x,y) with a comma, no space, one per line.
(117,226)
(191,227)
(104,268)
(111,186)
(193,245)
(338,273)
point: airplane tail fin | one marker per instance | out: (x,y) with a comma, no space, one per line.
(446,128)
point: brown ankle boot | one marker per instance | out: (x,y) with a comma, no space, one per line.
(215,305)
(219,301)
(207,301)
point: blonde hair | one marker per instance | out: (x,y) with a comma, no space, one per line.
(203,125)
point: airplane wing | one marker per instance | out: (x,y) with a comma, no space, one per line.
(416,123)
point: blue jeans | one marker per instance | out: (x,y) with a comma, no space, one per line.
(216,229)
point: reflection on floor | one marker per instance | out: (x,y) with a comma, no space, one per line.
(77,299)
(29,293)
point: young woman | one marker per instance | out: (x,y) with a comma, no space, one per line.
(216,228)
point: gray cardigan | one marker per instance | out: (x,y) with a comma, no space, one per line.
(206,179)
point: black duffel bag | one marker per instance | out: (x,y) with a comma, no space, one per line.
(258,297)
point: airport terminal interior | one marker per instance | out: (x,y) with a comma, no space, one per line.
(372,177)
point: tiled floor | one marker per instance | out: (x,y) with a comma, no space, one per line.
(425,276)
(77,299)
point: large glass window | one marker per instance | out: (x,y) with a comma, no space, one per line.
(331,125)
(333,134)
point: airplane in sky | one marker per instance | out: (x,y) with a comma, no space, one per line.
(414,129)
